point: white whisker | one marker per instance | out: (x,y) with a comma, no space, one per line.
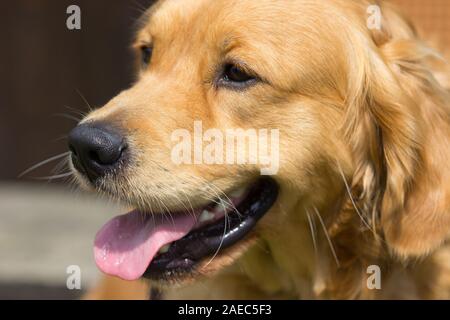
(40,164)
(67,116)
(58,176)
(312,228)
(79,113)
(347,187)
(223,235)
(84,99)
(327,236)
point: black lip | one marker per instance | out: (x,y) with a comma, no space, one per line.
(184,254)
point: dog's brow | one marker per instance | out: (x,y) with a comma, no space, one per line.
(228,44)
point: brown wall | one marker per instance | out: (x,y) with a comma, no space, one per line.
(432,17)
(42,65)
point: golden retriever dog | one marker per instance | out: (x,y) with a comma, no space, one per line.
(359,206)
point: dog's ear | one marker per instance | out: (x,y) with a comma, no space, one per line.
(398,123)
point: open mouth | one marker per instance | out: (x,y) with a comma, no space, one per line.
(158,246)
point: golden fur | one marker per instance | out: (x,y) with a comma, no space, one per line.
(364,144)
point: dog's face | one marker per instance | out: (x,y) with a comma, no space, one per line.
(224,64)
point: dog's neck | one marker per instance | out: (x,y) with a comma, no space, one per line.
(314,249)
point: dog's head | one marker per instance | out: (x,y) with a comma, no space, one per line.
(248,114)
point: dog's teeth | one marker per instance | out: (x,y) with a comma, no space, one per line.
(237,193)
(223,207)
(164,248)
(206,216)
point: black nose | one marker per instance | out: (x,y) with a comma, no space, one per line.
(96,149)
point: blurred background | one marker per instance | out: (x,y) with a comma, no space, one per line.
(48,76)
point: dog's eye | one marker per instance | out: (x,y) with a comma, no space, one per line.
(146,55)
(235,76)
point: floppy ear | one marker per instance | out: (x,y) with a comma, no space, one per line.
(398,122)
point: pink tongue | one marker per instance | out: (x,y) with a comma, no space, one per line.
(126,245)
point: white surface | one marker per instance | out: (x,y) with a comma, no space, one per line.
(45,229)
